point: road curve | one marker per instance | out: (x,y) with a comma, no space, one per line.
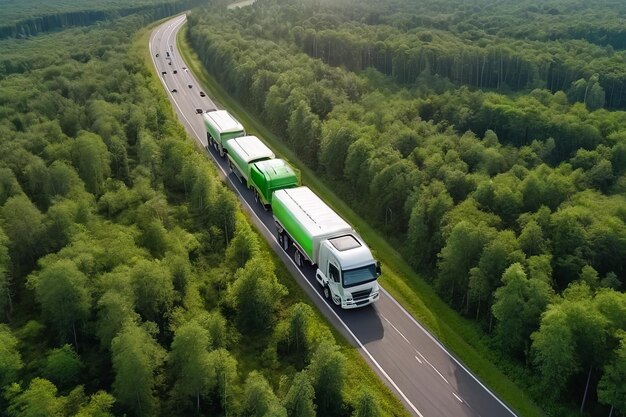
(428,379)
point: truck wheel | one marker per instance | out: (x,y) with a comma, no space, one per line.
(222,152)
(326,292)
(256,196)
(280,237)
(297,256)
(230,166)
(286,242)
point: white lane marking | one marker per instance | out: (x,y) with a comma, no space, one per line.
(423,329)
(431,365)
(438,373)
(419,360)
(363,348)
(395,328)
(458,398)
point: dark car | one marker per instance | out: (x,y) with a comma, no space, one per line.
(175,72)
(167,53)
(185,68)
(174,90)
(169,63)
(163,72)
(199,111)
(157,55)
(202,94)
(189,85)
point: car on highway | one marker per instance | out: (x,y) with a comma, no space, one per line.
(167,54)
(174,90)
(189,85)
(163,72)
(202,94)
(157,55)
(175,72)
(199,111)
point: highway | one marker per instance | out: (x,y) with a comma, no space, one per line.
(430,381)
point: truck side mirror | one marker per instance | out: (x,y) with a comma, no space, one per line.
(378,269)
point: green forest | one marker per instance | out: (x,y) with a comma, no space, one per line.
(488,143)
(131,282)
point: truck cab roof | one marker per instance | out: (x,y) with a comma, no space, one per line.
(350,251)
(223,121)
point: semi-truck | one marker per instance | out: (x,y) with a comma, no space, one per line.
(266,177)
(220,127)
(243,152)
(346,269)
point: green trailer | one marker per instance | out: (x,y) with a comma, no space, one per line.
(269,176)
(346,269)
(220,127)
(243,152)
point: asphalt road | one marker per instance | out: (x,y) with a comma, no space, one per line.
(430,381)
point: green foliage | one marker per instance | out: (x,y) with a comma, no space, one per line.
(92,159)
(366,406)
(611,385)
(154,290)
(38,400)
(222,377)
(256,295)
(243,247)
(259,400)
(61,289)
(189,360)
(136,359)
(5,280)
(63,367)
(10,359)
(327,372)
(23,226)
(299,399)
(517,306)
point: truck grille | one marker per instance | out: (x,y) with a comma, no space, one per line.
(358,295)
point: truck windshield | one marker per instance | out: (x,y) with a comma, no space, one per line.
(357,276)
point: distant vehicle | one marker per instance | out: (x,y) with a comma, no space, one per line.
(202,94)
(199,111)
(174,91)
(167,54)
(163,72)
(220,127)
(346,268)
(175,72)
(157,55)
(189,85)
(169,63)
(185,68)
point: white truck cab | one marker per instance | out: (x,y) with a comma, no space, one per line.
(347,272)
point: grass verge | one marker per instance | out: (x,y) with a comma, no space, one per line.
(358,372)
(459,335)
